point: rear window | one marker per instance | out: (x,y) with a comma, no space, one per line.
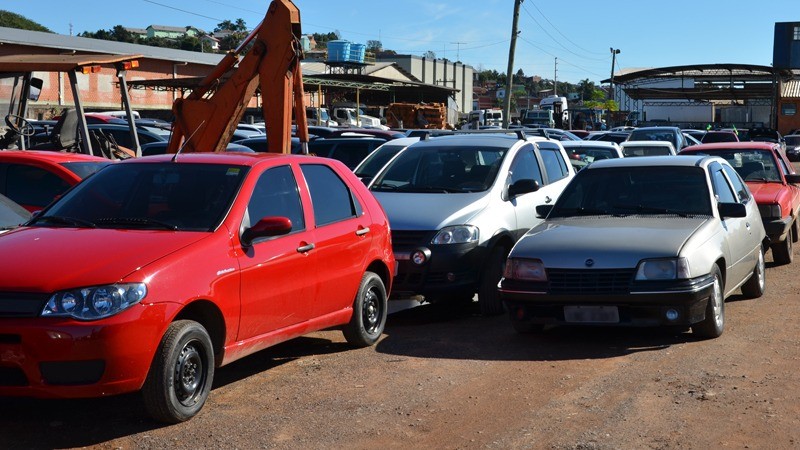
(84,169)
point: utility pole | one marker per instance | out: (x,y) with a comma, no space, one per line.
(458,50)
(614,53)
(510,71)
(555,78)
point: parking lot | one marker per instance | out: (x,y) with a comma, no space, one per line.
(439,379)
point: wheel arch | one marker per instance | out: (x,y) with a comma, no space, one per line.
(379,268)
(207,314)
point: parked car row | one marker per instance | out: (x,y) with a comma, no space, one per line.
(198,260)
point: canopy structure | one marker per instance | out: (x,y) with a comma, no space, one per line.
(59,63)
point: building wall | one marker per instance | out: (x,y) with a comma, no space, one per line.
(441,72)
(786,46)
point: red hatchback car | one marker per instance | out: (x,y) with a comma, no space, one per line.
(35,178)
(773,182)
(183,264)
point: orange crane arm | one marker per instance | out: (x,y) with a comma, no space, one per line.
(206,119)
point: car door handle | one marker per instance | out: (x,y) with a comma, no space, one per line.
(547,199)
(362,231)
(305,248)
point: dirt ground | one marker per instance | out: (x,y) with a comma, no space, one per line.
(448,379)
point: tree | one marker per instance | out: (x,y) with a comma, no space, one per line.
(374,46)
(429,54)
(11,20)
(227,25)
(323,39)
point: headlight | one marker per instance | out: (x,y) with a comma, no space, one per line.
(458,234)
(770,210)
(663,269)
(97,302)
(525,270)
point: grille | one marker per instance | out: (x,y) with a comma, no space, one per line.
(12,376)
(16,304)
(404,239)
(581,281)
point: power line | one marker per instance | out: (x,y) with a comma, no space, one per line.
(553,38)
(562,34)
(184,11)
(561,59)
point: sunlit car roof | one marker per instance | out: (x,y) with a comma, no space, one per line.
(664,161)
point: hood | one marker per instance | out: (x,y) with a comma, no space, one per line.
(611,242)
(407,211)
(765,193)
(49,259)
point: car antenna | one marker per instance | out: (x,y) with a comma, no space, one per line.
(175,158)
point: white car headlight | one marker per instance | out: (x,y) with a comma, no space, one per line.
(663,269)
(525,270)
(96,302)
(457,234)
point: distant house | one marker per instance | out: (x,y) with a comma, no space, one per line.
(140,33)
(209,42)
(163,31)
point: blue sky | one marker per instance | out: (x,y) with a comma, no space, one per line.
(579,33)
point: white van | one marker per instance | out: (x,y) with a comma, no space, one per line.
(559,107)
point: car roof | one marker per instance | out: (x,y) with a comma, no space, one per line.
(647,144)
(650,161)
(479,139)
(743,145)
(657,128)
(51,156)
(232,158)
(569,144)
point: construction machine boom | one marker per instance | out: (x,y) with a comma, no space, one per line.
(206,119)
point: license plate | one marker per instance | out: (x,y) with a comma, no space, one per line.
(591,314)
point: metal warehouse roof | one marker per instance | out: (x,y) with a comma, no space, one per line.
(791,89)
(82,44)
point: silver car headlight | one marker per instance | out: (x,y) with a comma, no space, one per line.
(773,210)
(525,270)
(96,302)
(663,269)
(457,234)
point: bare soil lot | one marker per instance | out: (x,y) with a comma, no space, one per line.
(453,379)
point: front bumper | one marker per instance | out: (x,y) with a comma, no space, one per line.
(777,228)
(453,267)
(64,358)
(646,304)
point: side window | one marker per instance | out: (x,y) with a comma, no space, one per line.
(721,187)
(276,194)
(554,165)
(331,198)
(738,184)
(525,167)
(28,185)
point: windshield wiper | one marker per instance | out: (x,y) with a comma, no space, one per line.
(63,220)
(142,222)
(569,212)
(386,186)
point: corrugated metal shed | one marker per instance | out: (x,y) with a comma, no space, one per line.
(790,89)
(81,44)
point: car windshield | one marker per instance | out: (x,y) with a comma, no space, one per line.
(752,165)
(638,190)
(591,154)
(166,196)
(442,169)
(84,169)
(645,150)
(376,160)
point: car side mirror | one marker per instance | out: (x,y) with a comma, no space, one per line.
(543,211)
(522,187)
(266,227)
(793,178)
(732,210)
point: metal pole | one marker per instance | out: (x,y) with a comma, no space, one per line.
(510,71)
(614,53)
(83,130)
(126,101)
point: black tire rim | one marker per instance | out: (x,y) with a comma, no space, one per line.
(190,374)
(371,311)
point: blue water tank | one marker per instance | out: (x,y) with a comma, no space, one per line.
(357,52)
(338,51)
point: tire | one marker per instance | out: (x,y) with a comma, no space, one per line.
(714,322)
(488,296)
(369,312)
(757,284)
(181,375)
(783,252)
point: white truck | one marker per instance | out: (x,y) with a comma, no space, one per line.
(350,116)
(484,117)
(559,107)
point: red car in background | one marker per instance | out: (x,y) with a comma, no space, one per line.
(773,182)
(180,264)
(34,178)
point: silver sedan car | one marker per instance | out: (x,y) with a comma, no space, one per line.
(659,241)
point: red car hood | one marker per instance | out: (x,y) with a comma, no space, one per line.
(50,259)
(765,192)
